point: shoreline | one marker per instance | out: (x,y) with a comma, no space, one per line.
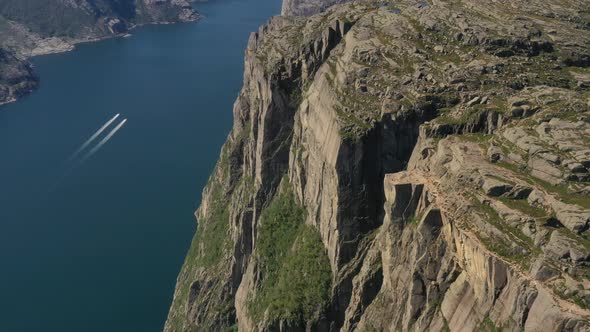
(65,46)
(12,100)
(70,45)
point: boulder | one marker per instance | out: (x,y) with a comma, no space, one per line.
(542,271)
(544,170)
(563,248)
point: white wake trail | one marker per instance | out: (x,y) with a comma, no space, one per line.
(92,138)
(104,140)
(93,150)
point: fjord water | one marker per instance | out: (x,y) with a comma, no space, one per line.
(98,248)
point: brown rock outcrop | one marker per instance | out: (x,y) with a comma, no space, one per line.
(377,120)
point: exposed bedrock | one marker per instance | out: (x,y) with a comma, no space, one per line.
(401,166)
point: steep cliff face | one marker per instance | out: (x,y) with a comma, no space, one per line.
(402,166)
(36,27)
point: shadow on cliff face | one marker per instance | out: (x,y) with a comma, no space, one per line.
(386,149)
(362,165)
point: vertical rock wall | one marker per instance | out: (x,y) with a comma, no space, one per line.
(405,132)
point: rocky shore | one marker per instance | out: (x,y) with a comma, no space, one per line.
(22,35)
(16,77)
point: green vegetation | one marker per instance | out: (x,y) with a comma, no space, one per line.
(212,232)
(233,328)
(413,221)
(62,19)
(523,206)
(296,96)
(560,290)
(512,167)
(469,115)
(496,220)
(560,191)
(207,247)
(488,325)
(353,128)
(581,239)
(48,18)
(210,241)
(499,245)
(582,272)
(296,275)
(279,224)
(245,132)
(476,137)
(446,327)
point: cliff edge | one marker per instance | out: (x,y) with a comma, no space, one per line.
(402,166)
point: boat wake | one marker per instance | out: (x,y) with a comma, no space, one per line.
(74,161)
(103,141)
(91,139)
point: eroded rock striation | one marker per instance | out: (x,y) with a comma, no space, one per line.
(35,27)
(402,166)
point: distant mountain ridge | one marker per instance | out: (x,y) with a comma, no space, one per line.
(35,27)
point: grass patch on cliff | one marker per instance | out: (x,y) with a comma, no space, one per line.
(572,296)
(470,115)
(212,232)
(295,270)
(477,138)
(525,207)
(211,243)
(233,328)
(210,239)
(517,247)
(494,218)
(488,325)
(560,191)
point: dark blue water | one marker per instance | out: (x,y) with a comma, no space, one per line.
(99,249)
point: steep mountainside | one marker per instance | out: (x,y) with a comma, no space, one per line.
(16,77)
(402,166)
(35,27)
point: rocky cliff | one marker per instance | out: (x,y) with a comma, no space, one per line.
(16,77)
(36,27)
(402,166)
